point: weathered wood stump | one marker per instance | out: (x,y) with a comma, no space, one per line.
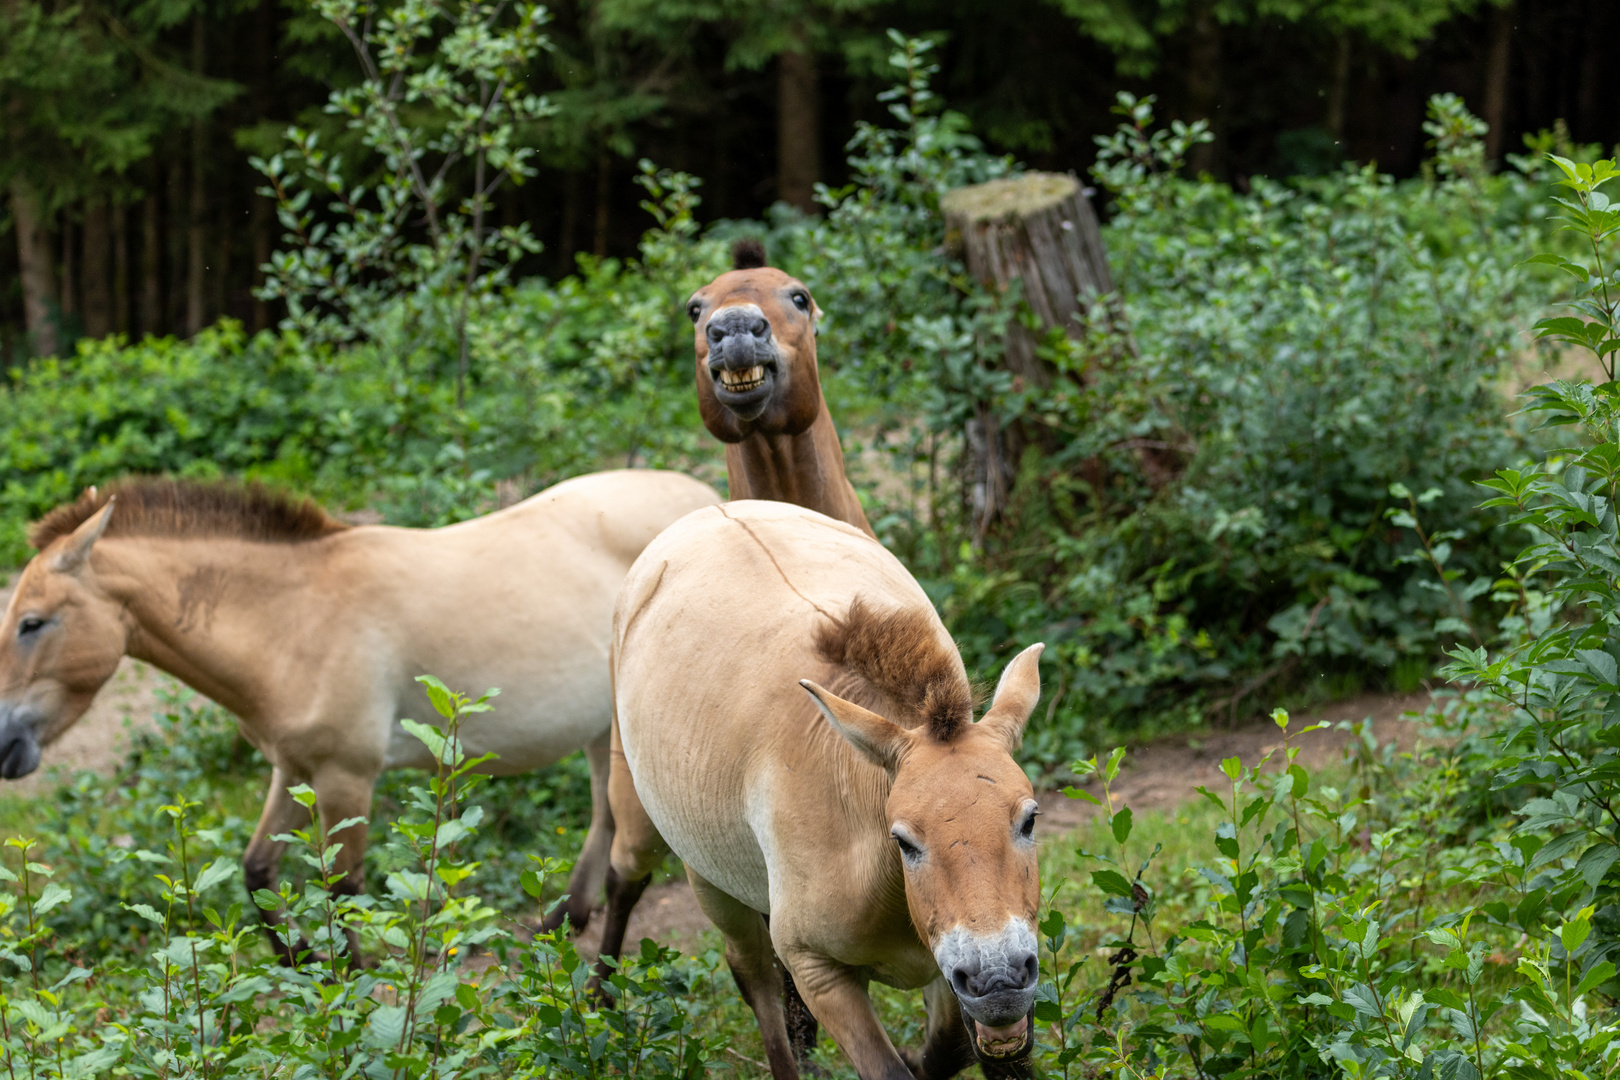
(1037,229)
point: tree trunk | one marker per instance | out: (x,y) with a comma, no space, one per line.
(1498,62)
(97,268)
(261,227)
(1204,81)
(261,223)
(152,256)
(567,243)
(196,226)
(34,267)
(1339,92)
(120,289)
(798,127)
(604,174)
(174,243)
(1037,230)
(69,276)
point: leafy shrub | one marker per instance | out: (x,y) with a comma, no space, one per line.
(1452,912)
(448,990)
(1201,508)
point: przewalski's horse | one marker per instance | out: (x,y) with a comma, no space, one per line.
(882,832)
(312,633)
(759,390)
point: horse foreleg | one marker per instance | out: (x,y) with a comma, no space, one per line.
(262,859)
(591,868)
(753,963)
(636,852)
(342,795)
(947,1048)
(837,997)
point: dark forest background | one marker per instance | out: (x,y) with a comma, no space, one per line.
(129,124)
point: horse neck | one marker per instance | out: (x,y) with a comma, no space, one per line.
(213,612)
(806,469)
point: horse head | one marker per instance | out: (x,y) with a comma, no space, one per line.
(61,638)
(962,815)
(755,332)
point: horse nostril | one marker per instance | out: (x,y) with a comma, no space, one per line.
(1032,970)
(715,333)
(959,980)
(761,329)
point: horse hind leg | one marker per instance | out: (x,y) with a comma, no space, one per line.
(761,978)
(591,868)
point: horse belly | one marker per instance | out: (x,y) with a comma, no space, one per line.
(709,822)
(534,722)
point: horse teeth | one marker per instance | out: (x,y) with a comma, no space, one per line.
(742,380)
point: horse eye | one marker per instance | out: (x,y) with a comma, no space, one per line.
(30,624)
(801,301)
(1027,829)
(693,312)
(907,849)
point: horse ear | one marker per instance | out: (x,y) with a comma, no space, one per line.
(879,741)
(1016,695)
(77,550)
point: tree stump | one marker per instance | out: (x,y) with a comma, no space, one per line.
(1038,229)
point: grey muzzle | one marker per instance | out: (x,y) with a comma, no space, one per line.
(19,745)
(993,975)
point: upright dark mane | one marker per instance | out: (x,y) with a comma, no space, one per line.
(153,506)
(748,254)
(899,654)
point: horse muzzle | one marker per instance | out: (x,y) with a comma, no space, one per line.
(994,977)
(19,744)
(744,361)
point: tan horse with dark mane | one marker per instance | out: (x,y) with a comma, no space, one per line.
(800,730)
(313,632)
(759,389)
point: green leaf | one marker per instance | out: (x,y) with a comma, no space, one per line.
(443,701)
(1081,793)
(1111,882)
(1121,825)
(146,912)
(215,872)
(1574,932)
(1113,763)
(1601,973)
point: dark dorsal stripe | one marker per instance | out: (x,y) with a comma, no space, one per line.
(156,506)
(898,653)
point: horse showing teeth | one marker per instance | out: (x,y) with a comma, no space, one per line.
(743,380)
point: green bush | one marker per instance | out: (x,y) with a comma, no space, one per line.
(1201,507)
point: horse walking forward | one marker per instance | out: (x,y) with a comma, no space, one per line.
(799,728)
(313,632)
